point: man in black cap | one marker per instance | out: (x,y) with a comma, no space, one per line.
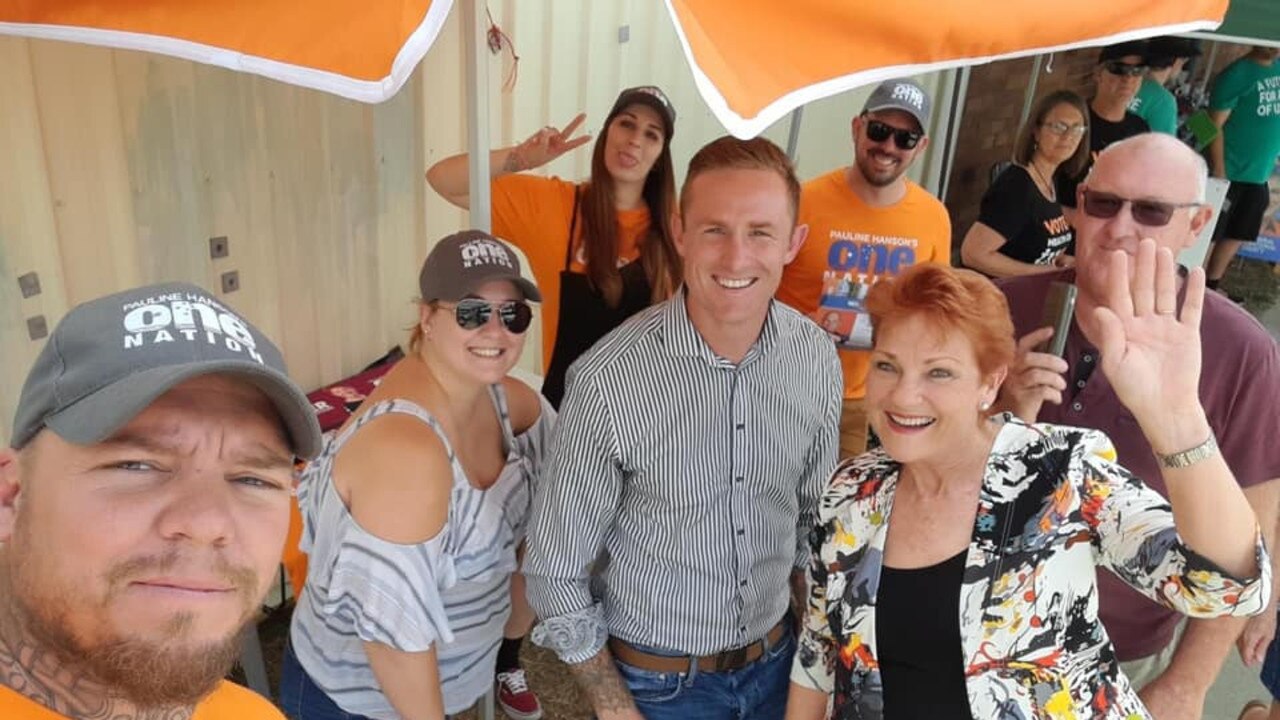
(144,502)
(1117,79)
(1154,103)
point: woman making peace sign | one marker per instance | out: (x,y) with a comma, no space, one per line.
(600,250)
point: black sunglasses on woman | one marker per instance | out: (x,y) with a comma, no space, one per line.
(473,313)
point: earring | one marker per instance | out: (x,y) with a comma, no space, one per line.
(984,406)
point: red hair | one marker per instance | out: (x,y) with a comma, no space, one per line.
(950,300)
(730,153)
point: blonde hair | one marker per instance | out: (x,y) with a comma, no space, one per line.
(416,334)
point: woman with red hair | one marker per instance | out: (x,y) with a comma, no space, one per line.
(954,569)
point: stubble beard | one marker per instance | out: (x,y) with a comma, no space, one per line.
(876,177)
(146,672)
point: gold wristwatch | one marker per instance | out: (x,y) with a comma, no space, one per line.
(1187,458)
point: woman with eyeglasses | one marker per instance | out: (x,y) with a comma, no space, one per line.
(954,569)
(413,513)
(1116,81)
(1021,229)
(601,250)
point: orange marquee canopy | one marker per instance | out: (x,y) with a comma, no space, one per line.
(753,60)
(756,60)
(359,50)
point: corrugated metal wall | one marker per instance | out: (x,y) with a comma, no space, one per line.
(117,167)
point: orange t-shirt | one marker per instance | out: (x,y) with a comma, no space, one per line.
(534,214)
(227,702)
(850,246)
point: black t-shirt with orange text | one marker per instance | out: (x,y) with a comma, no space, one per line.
(1032,225)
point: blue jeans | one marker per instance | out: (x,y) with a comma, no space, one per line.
(755,692)
(1271,670)
(301,698)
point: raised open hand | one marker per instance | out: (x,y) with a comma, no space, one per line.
(1150,351)
(546,145)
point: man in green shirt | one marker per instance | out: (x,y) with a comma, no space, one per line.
(1245,105)
(1154,103)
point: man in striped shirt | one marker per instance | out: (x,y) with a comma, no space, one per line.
(692,446)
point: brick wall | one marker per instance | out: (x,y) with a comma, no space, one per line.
(989,125)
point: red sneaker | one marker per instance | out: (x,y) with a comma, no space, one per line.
(515,698)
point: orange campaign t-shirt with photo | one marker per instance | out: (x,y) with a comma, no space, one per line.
(227,702)
(534,214)
(850,247)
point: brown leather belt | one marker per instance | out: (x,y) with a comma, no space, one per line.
(735,659)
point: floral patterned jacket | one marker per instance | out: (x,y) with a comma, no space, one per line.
(1053,507)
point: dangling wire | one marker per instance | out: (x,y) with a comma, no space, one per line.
(1048,66)
(497,40)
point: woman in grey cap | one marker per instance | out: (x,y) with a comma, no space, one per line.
(600,250)
(414,510)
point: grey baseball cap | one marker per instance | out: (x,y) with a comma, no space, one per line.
(461,262)
(108,359)
(904,95)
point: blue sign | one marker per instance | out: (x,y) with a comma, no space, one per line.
(1267,247)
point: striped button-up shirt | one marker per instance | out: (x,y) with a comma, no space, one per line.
(696,476)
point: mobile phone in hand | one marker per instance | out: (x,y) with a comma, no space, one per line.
(1059,306)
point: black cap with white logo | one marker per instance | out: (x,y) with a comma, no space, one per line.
(108,359)
(652,96)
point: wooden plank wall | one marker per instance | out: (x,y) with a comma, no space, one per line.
(117,167)
(120,166)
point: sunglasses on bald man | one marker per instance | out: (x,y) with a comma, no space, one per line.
(1152,213)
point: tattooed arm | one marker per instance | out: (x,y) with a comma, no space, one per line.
(604,688)
(451,176)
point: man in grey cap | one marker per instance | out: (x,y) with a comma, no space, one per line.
(144,502)
(867,221)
